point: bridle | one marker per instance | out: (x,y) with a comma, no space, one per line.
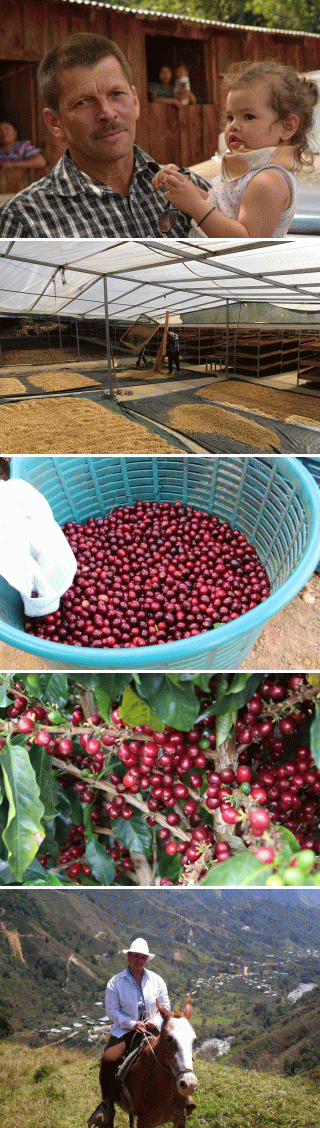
(171,1072)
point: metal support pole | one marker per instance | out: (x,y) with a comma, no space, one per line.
(77,336)
(282,346)
(258,357)
(60,337)
(227,340)
(299,352)
(106,317)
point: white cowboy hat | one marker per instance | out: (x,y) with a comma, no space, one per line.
(140,946)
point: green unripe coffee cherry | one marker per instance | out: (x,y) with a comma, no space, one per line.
(55,717)
(293,876)
(305,860)
(274,881)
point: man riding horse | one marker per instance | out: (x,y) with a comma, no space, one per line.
(132,998)
(131,1002)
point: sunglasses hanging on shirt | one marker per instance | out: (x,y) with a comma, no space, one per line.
(169,215)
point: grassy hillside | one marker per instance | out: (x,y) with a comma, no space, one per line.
(238,953)
(56,1088)
(290,1045)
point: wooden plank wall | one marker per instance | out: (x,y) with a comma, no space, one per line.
(30,27)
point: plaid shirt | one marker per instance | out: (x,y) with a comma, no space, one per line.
(68,203)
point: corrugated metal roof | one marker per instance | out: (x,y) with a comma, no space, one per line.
(185,19)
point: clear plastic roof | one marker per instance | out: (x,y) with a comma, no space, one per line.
(52,277)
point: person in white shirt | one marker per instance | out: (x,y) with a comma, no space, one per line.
(131,1002)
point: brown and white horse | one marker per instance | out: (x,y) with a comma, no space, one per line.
(160,1083)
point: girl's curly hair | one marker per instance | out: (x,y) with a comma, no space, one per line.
(289,93)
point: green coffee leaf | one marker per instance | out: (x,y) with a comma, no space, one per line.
(54,689)
(46,879)
(7,876)
(5,683)
(288,840)
(102,866)
(315,736)
(224,726)
(24,831)
(134,711)
(242,870)
(107,689)
(70,811)
(32,682)
(313,679)
(235,697)
(133,833)
(203,681)
(47,781)
(172,699)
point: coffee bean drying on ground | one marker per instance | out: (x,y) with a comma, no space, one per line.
(151,573)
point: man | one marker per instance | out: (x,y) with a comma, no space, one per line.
(173,351)
(102,186)
(131,1002)
(142,357)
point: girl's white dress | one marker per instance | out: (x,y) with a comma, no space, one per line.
(226,193)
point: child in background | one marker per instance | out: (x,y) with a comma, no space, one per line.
(269,111)
(163,88)
(17,154)
(182,89)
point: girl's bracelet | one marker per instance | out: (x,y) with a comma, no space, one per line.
(206,215)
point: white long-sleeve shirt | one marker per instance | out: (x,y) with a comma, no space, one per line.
(122,1000)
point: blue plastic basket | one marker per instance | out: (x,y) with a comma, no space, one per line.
(274,501)
(313,465)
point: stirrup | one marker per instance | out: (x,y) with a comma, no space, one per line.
(102,1116)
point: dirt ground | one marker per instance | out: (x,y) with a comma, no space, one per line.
(291,640)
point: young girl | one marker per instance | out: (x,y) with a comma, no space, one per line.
(182,89)
(269,111)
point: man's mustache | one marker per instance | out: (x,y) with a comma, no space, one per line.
(105,132)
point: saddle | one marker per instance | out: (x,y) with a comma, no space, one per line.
(121,1089)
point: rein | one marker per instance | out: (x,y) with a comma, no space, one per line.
(170,1072)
